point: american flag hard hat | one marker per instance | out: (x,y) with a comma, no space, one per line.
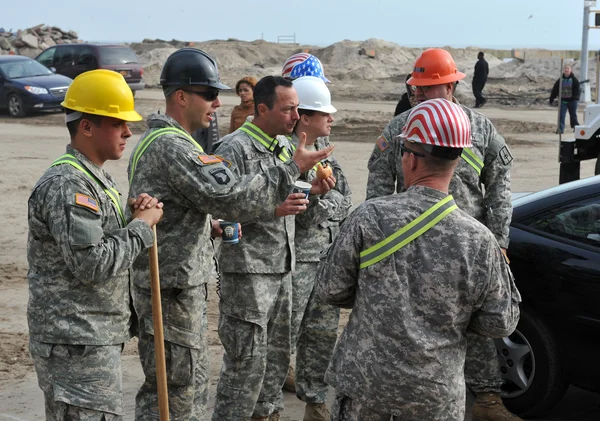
(438,122)
(303,64)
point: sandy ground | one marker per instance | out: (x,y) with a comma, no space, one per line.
(29,146)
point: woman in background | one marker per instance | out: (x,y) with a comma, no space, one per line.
(244,88)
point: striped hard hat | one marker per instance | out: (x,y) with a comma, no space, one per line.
(303,64)
(438,122)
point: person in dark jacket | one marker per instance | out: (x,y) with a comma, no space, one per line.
(407,101)
(479,79)
(207,137)
(569,97)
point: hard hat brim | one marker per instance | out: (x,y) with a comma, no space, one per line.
(328,109)
(455,77)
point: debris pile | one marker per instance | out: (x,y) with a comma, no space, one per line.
(32,41)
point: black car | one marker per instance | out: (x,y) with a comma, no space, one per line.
(73,59)
(26,85)
(555,258)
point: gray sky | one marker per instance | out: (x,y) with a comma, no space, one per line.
(484,23)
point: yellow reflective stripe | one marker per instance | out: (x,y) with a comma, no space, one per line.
(473,160)
(408,233)
(270,143)
(111,192)
(147,141)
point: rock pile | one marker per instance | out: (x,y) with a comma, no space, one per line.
(32,41)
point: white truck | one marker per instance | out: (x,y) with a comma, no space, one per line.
(585,145)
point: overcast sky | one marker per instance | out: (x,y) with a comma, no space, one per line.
(484,23)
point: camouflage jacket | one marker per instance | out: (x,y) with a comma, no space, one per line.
(403,348)
(79,256)
(319,224)
(267,245)
(193,186)
(486,197)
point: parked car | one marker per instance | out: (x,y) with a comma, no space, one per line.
(26,85)
(555,258)
(73,59)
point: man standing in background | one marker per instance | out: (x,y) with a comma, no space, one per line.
(479,79)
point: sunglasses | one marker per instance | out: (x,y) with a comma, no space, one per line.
(209,96)
(404,149)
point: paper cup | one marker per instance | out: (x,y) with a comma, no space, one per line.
(302,187)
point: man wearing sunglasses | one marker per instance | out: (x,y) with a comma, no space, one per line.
(481,187)
(418,272)
(168,162)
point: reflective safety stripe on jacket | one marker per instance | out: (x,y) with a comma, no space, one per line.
(272,144)
(147,141)
(473,160)
(408,233)
(110,191)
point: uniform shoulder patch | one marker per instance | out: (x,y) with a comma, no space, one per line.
(382,143)
(86,202)
(220,176)
(505,155)
(209,159)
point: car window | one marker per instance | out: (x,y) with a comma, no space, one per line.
(117,55)
(576,221)
(64,56)
(86,56)
(47,57)
(23,68)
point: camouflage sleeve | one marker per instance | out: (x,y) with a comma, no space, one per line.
(216,186)
(382,168)
(498,305)
(384,164)
(334,205)
(90,253)
(337,274)
(495,176)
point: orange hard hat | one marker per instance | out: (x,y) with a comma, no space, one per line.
(434,67)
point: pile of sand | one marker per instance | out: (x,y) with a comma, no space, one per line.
(355,75)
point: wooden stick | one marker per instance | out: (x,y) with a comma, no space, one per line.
(159,339)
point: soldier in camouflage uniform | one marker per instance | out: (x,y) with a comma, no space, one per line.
(298,65)
(255,307)
(80,249)
(170,164)
(418,273)
(315,323)
(481,186)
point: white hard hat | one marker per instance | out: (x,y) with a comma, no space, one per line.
(313,94)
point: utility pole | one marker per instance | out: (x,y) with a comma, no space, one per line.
(587,94)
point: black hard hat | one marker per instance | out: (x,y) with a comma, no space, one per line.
(190,66)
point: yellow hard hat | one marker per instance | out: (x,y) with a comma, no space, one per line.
(101,92)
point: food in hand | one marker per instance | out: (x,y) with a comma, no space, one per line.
(323,171)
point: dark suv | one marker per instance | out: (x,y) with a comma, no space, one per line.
(73,59)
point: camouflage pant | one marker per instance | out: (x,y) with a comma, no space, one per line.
(254,327)
(314,331)
(80,382)
(482,370)
(186,354)
(345,408)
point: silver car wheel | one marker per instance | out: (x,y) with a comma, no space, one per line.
(517,364)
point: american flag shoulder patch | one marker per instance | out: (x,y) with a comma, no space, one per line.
(209,159)
(382,144)
(86,202)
